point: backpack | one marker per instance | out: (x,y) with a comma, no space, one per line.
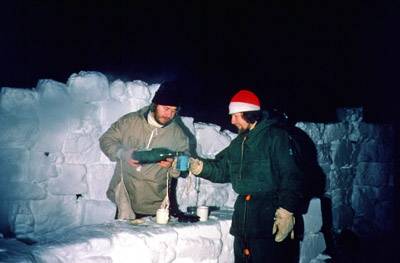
(305,155)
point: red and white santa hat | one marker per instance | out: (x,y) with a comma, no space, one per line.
(244,101)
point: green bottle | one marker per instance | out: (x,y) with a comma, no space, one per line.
(154,155)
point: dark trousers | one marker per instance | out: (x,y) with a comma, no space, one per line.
(266,250)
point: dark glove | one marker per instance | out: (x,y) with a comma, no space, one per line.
(185,218)
(188,218)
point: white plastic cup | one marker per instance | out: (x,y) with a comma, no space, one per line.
(162,216)
(202,212)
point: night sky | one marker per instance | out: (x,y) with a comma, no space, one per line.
(306,59)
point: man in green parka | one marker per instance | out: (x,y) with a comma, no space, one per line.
(260,164)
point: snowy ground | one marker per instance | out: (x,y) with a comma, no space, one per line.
(123,241)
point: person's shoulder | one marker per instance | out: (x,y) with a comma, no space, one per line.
(177,128)
(131,117)
(136,114)
(275,132)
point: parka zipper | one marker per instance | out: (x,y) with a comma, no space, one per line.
(241,159)
(246,242)
(247,199)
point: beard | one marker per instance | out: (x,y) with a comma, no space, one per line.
(162,120)
(242,129)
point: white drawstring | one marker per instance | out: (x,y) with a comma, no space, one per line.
(151,137)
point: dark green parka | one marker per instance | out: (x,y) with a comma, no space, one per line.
(259,163)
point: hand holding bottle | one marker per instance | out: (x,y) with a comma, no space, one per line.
(166,163)
(128,157)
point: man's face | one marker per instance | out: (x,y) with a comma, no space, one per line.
(163,114)
(240,123)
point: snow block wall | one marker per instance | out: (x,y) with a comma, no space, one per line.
(54,175)
(358,161)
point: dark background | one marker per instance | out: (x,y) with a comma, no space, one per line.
(305,58)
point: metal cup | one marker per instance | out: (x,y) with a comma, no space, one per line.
(183,163)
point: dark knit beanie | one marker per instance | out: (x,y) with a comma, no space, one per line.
(168,94)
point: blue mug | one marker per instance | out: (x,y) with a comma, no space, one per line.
(183,163)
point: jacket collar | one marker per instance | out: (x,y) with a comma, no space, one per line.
(145,111)
(266,122)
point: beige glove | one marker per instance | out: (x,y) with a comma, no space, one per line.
(284,223)
(196,166)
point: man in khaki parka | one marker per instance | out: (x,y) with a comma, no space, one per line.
(144,187)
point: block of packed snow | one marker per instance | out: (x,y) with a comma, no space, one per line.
(18,133)
(117,89)
(382,133)
(121,241)
(353,134)
(96,212)
(84,118)
(98,177)
(52,92)
(344,153)
(82,148)
(42,166)
(153,89)
(139,94)
(323,154)
(111,111)
(373,174)
(23,222)
(350,114)
(12,171)
(219,195)
(19,103)
(137,104)
(71,180)
(138,89)
(21,191)
(334,132)
(226,237)
(53,126)
(372,151)
(199,242)
(313,130)
(189,123)
(311,246)
(313,217)
(61,212)
(210,140)
(88,86)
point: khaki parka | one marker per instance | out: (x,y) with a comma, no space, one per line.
(261,167)
(146,185)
